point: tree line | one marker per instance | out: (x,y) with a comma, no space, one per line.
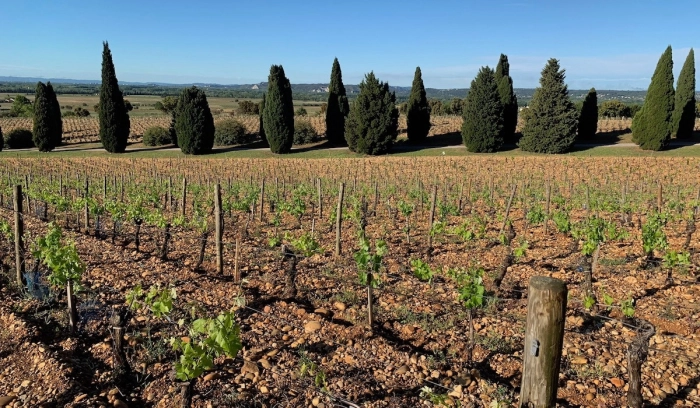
(369,125)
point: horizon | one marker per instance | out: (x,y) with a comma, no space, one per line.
(227,44)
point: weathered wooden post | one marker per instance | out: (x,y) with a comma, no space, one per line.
(218,229)
(546,213)
(660,198)
(510,202)
(236,270)
(544,337)
(637,353)
(19,232)
(184,196)
(86,215)
(370,312)
(262,199)
(432,217)
(320,199)
(339,219)
(72,310)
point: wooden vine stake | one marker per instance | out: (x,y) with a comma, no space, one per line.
(236,270)
(72,310)
(637,353)
(184,196)
(262,199)
(339,219)
(510,202)
(660,198)
(86,216)
(544,337)
(546,212)
(19,232)
(218,230)
(370,312)
(432,217)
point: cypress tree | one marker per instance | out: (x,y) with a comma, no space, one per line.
(278,117)
(509,101)
(483,114)
(652,125)
(588,119)
(684,106)
(552,127)
(44,124)
(194,124)
(417,111)
(261,132)
(373,122)
(338,108)
(114,119)
(2,140)
(56,114)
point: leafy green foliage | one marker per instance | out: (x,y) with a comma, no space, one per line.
(684,106)
(627,307)
(304,132)
(653,235)
(588,119)
(156,136)
(422,270)
(278,116)
(552,126)
(470,286)
(194,124)
(209,339)
(19,138)
(369,262)
(158,301)
(306,244)
(417,111)
(520,250)
(483,114)
(338,107)
(509,100)
(45,124)
(114,118)
(373,123)
(674,259)
(230,132)
(62,259)
(614,109)
(594,230)
(562,221)
(535,215)
(652,126)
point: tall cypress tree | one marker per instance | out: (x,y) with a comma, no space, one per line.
(338,108)
(417,111)
(194,124)
(261,131)
(652,125)
(684,106)
(2,140)
(588,119)
(43,132)
(509,101)
(554,119)
(114,119)
(278,117)
(373,122)
(56,114)
(483,114)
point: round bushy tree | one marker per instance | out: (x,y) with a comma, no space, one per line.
(509,100)
(44,130)
(373,122)
(231,132)
(19,138)
(114,119)
(554,119)
(194,124)
(483,114)
(417,111)
(684,105)
(588,119)
(156,136)
(278,118)
(337,108)
(652,125)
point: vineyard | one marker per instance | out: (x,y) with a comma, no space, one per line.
(86,130)
(376,282)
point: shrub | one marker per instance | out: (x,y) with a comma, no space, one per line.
(304,133)
(81,112)
(69,114)
(231,132)
(248,108)
(19,139)
(300,112)
(156,136)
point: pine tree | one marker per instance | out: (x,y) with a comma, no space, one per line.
(42,134)
(588,119)
(483,114)
(56,114)
(509,100)
(417,111)
(552,127)
(194,124)
(684,106)
(338,108)
(278,118)
(261,132)
(114,119)
(373,122)
(652,125)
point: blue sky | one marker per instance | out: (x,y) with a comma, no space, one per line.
(606,44)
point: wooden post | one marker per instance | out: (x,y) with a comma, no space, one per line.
(660,198)
(86,216)
(544,336)
(588,200)
(170,193)
(510,201)
(432,217)
(184,196)
(120,363)
(546,213)
(459,200)
(104,189)
(218,230)
(236,270)
(376,198)
(19,232)
(637,353)
(262,199)
(320,199)
(370,312)
(72,311)
(339,219)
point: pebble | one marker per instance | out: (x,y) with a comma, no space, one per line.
(211,376)
(617,382)
(4,401)
(312,326)
(340,306)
